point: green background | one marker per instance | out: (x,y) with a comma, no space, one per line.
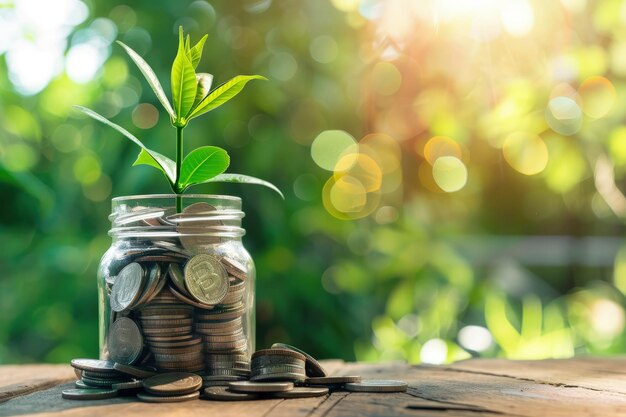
(536,261)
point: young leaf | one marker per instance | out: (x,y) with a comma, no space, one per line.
(145,158)
(196,51)
(150,77)
(201,164)
(223,93)
(165,164)
(188,46)
(243,179)
(204,86)
(183,83)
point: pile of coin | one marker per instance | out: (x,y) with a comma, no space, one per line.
(179,303)
(282,371)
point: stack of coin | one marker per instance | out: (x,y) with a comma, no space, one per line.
(168,328)
(171,387)
(95,373)
(278,365)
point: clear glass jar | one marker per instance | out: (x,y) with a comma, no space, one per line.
(176,289)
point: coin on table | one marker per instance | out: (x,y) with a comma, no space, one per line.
(127,287)
(377,385)
(88,394)
(313,367)
(254,387)
(206,279)
(168,398)
(173,383)
(125,341)
(303,392)
(136,371)
(126,386)
(95,365)
(332,380)
(221,393)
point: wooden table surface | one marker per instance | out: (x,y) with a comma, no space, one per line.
(494,388)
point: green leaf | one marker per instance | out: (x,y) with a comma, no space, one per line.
(146,157)
(223,93)
(165,164)
(244,179)
(204,86)
(202,164)
(188,46)
(151,77)
(196,51)
(183,83)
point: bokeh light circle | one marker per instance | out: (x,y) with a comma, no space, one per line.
(346,199)
(145,116)
(598,96)
(564,115)
(450,173)
(329,146)
(525,152)
(362,167)
(383,149)
(439,146)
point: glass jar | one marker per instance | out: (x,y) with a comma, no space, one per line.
(176,289)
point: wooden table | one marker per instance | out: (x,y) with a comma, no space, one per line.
(494,388)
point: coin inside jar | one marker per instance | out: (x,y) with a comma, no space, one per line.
(127,287)
(206,279)
(125,341)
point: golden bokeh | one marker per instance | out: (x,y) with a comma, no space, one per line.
(346,198)
(450,173)
(383,149)
(598,96)
(329,146)
(439,146)
(362,167)
(525,152)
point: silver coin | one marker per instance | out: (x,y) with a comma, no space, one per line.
(152,281)
(178,278)
(174,383)
(136,371)
(282,376)
(206,279)
(235,268)
(95,365)
(127,287)
(125,341)
(332,380)
(167,399)
(188,300)
(253,387)
(269,369)
(377,385)
(302,392)
(88,394)
(222,393)
(313,367)
(130,385)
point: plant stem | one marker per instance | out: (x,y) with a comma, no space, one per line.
(179,162)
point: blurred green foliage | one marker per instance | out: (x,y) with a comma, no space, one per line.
(498,127)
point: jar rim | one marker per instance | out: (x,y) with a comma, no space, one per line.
(170,196)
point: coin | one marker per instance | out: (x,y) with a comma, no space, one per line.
(127,287)
(253,387)
(152,280)
(280,352)
(263,361)
(95,365)
(235,268)
(125,341)
(167,398)
(187,300)
(313,367)
(136,371)
(206,279)
(174,383)
(282,376)
(277,368)
(332,380)
(130,385)
(302,392)
(377,385)
(178,278)
(221,393)
(81,385)
(88,394)
(100,382)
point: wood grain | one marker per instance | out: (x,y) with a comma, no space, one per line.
(492,388)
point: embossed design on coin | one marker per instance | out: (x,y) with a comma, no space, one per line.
(125,341)
(127,287)
(206,279)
